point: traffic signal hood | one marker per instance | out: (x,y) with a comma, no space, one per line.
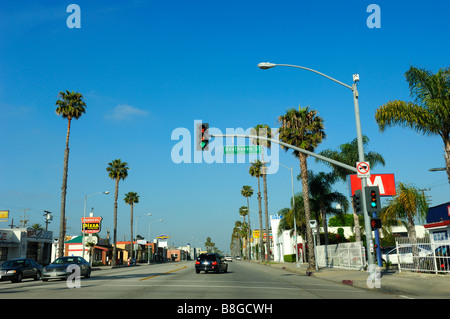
(202,136)
(373,203)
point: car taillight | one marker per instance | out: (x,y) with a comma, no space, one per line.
(214,263)
(197,262)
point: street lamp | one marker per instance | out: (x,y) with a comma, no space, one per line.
(135,233)
(83,230)
(268,65)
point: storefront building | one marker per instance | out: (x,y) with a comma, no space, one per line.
(26,243)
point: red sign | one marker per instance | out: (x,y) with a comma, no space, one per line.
(385,183)
(91,225)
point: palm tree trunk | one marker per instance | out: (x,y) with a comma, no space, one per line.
(261,243)
(447,157)
(266,213)
(356,222)
(114,256)
(62,222)
(249,229)
(305,190)
(131,233)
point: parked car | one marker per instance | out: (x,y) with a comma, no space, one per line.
(404,254)
(19,268)
(442,255)
(58,268)
(228,258)
(210,262)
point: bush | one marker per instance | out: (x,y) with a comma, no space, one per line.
(289,258)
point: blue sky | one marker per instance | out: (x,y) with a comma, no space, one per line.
(147,68)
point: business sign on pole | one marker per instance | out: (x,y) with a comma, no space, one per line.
(4,214)
(91,225)
(385,183)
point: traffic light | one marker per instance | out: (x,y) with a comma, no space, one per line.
(202,136)
(357,198)
(373,199)
(375,223)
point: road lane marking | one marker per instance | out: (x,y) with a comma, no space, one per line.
(167,272)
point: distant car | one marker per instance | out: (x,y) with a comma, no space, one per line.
(210,262)
(58,268)
(228,258)
(405,254)
(19,268)
(238,258)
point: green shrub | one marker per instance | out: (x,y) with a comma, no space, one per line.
(289,258)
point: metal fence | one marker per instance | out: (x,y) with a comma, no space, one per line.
(344,255)
(420,255)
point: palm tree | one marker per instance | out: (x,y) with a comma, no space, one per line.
(255,171)
(408,205)
(303,129)
(348,154)
(117,170)
(243,211)
(69,106)
(320,186)
(264,176)
(131,198)
(247,191)
(429,114)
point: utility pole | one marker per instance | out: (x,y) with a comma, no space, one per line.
(24,221)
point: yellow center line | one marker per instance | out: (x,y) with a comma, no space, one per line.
(162,273)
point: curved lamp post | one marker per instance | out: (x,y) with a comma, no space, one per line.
(354,89)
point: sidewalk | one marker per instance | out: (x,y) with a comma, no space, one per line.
(414,285)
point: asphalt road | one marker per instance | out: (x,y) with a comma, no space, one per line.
(179,281)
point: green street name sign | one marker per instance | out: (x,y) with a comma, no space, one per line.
(238,150)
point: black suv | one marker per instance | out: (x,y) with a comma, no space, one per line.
(210,262)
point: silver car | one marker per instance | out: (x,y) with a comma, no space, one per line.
(58,268)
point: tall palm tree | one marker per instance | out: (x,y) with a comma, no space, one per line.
(267,144)
(429,114)
(247,191)
(255,171)
(70,105)
(320,186)
(117,170)
(348,154)
(243,211)
(131,198)
(304,129)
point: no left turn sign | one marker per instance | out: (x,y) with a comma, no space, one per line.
(363,169)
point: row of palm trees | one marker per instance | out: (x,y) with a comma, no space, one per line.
(303,128)
(71,105)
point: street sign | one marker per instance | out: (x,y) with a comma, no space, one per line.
(245,149)
(363,169)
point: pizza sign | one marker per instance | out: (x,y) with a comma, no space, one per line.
(91,225)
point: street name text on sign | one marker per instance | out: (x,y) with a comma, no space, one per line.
(245,149)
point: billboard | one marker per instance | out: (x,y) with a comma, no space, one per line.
(91,225)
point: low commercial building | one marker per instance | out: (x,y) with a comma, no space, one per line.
(26,243)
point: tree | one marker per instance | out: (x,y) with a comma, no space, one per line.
(264,143)
(348,154)
(320,186)
(69,106)
(429,114)
(255,171)
(209,245)
(408,205)
(303,129)
(131,198)
(247,191)
(117,170)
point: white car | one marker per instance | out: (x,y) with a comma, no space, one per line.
(228,258)
(405,255)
